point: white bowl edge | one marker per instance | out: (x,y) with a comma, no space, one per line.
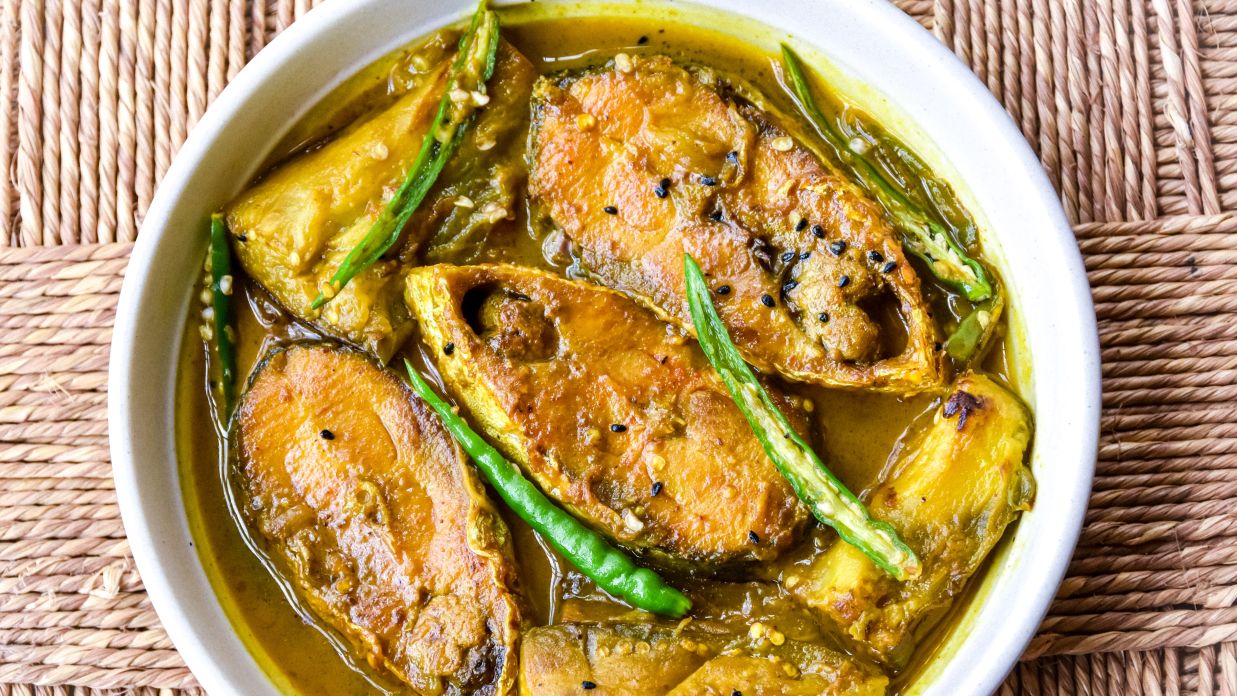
(979,136)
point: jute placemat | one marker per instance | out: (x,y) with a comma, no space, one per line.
(1132,105)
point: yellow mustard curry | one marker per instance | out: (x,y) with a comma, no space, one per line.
(596,355)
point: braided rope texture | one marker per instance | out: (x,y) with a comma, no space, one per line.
(1131,105)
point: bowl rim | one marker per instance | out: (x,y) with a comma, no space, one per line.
(149,543)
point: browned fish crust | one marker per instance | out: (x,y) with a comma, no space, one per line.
(610,410)
(642,162)
(636,659)
(383,527)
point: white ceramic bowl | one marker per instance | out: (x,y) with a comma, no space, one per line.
(915,83)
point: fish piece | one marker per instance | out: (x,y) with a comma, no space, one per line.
(609,410)
(293,228)
(639,659)
(950,492)
(480,185)
(832,674)
(378,521)
(641,163)
(620,660)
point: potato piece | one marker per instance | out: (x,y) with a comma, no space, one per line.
(950,493)
(294,227)
(632,659)
(639,165)
(381,525)
(300,221)
(610,411)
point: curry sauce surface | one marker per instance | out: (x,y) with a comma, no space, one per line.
(854,432)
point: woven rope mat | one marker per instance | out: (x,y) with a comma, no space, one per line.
(1131,104)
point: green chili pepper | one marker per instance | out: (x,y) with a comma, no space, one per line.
(974,330)
(610,568)
(921,235)
(478,49)
(826,496)
(221,307)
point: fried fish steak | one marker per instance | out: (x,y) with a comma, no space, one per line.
(632,659)
(613,412)
(292,229)
(950,493)
(382,526)
(643,160)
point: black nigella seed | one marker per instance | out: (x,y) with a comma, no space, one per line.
(767,300)
(241,238)
(788,257)
(818,231)
(327,435)
(610,210)
(887,268)
(664,183)
(448,349)
(736,692)
(618,428)
(837,247)
(642,40)
(660,192)
(843,281)
(716,216)
(519,296)
(790,285)
(753,537)
(657,488)
(801,225)
(823,317)
(708,180)
(723,290)
(732,156)
(875,256)
(804,256)
(587,685)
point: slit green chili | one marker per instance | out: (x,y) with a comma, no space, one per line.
(609,567)
(221,280)
(478,50)
(829,500)
(974,330)
(921,235)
